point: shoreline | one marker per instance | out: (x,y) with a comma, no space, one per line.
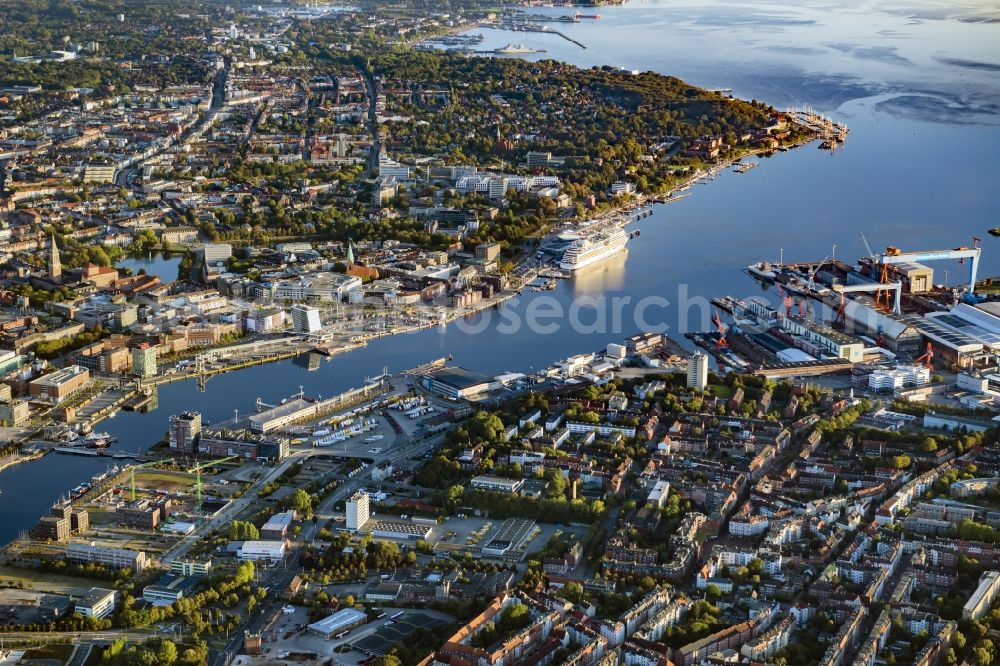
(361,340)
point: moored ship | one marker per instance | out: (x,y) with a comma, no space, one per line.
(592,249)
(762,270)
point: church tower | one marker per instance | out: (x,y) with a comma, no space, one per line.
(55,265)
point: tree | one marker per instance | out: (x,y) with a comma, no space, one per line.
(387,660)
(929,445)
(573,591)
(166,653)
(300,501)
(712,592)
(241,530)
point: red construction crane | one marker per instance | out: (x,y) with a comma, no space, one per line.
(841,317)
(927,357)
(786,300)
(722,328)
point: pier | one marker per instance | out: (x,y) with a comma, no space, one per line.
(531,27)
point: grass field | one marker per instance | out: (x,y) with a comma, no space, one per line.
(161,479)
(721,391)
(58,653)
(48,582)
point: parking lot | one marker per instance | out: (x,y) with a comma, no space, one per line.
(289,640)
(386,633)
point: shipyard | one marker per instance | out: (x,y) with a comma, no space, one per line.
(829,317)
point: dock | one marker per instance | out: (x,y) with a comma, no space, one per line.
(96,453)
(531,27)
(727,304)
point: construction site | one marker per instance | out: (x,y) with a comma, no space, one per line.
(889,310)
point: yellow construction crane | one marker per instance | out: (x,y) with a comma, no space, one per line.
(197,470)
(154,463)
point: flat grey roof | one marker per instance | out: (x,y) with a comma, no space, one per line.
(459,378)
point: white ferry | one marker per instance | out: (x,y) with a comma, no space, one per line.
(590,250)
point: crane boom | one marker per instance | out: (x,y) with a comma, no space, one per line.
(868,247)
(197,470)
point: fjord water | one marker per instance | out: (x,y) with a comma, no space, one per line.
(918,86)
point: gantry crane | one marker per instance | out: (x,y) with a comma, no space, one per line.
(878,288)
(197,470)
(132,469)
(893,255)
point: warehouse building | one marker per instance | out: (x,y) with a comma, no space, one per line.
(254,449)
(256,551)
(890,331)
(457,383)
(62,521)
(52,528)
(59,385)
(277,526)
(816,337)
(394,529)
(496,483)
(949,343)
(278,417)
(341,621)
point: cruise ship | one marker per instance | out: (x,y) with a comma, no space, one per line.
(590,250)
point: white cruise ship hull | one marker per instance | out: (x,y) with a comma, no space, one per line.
(594,258)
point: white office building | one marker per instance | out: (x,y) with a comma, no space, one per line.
(97,603)
(357,511)
(261,550)
(325,287)
(697,375)
(899,377)
(305,319)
